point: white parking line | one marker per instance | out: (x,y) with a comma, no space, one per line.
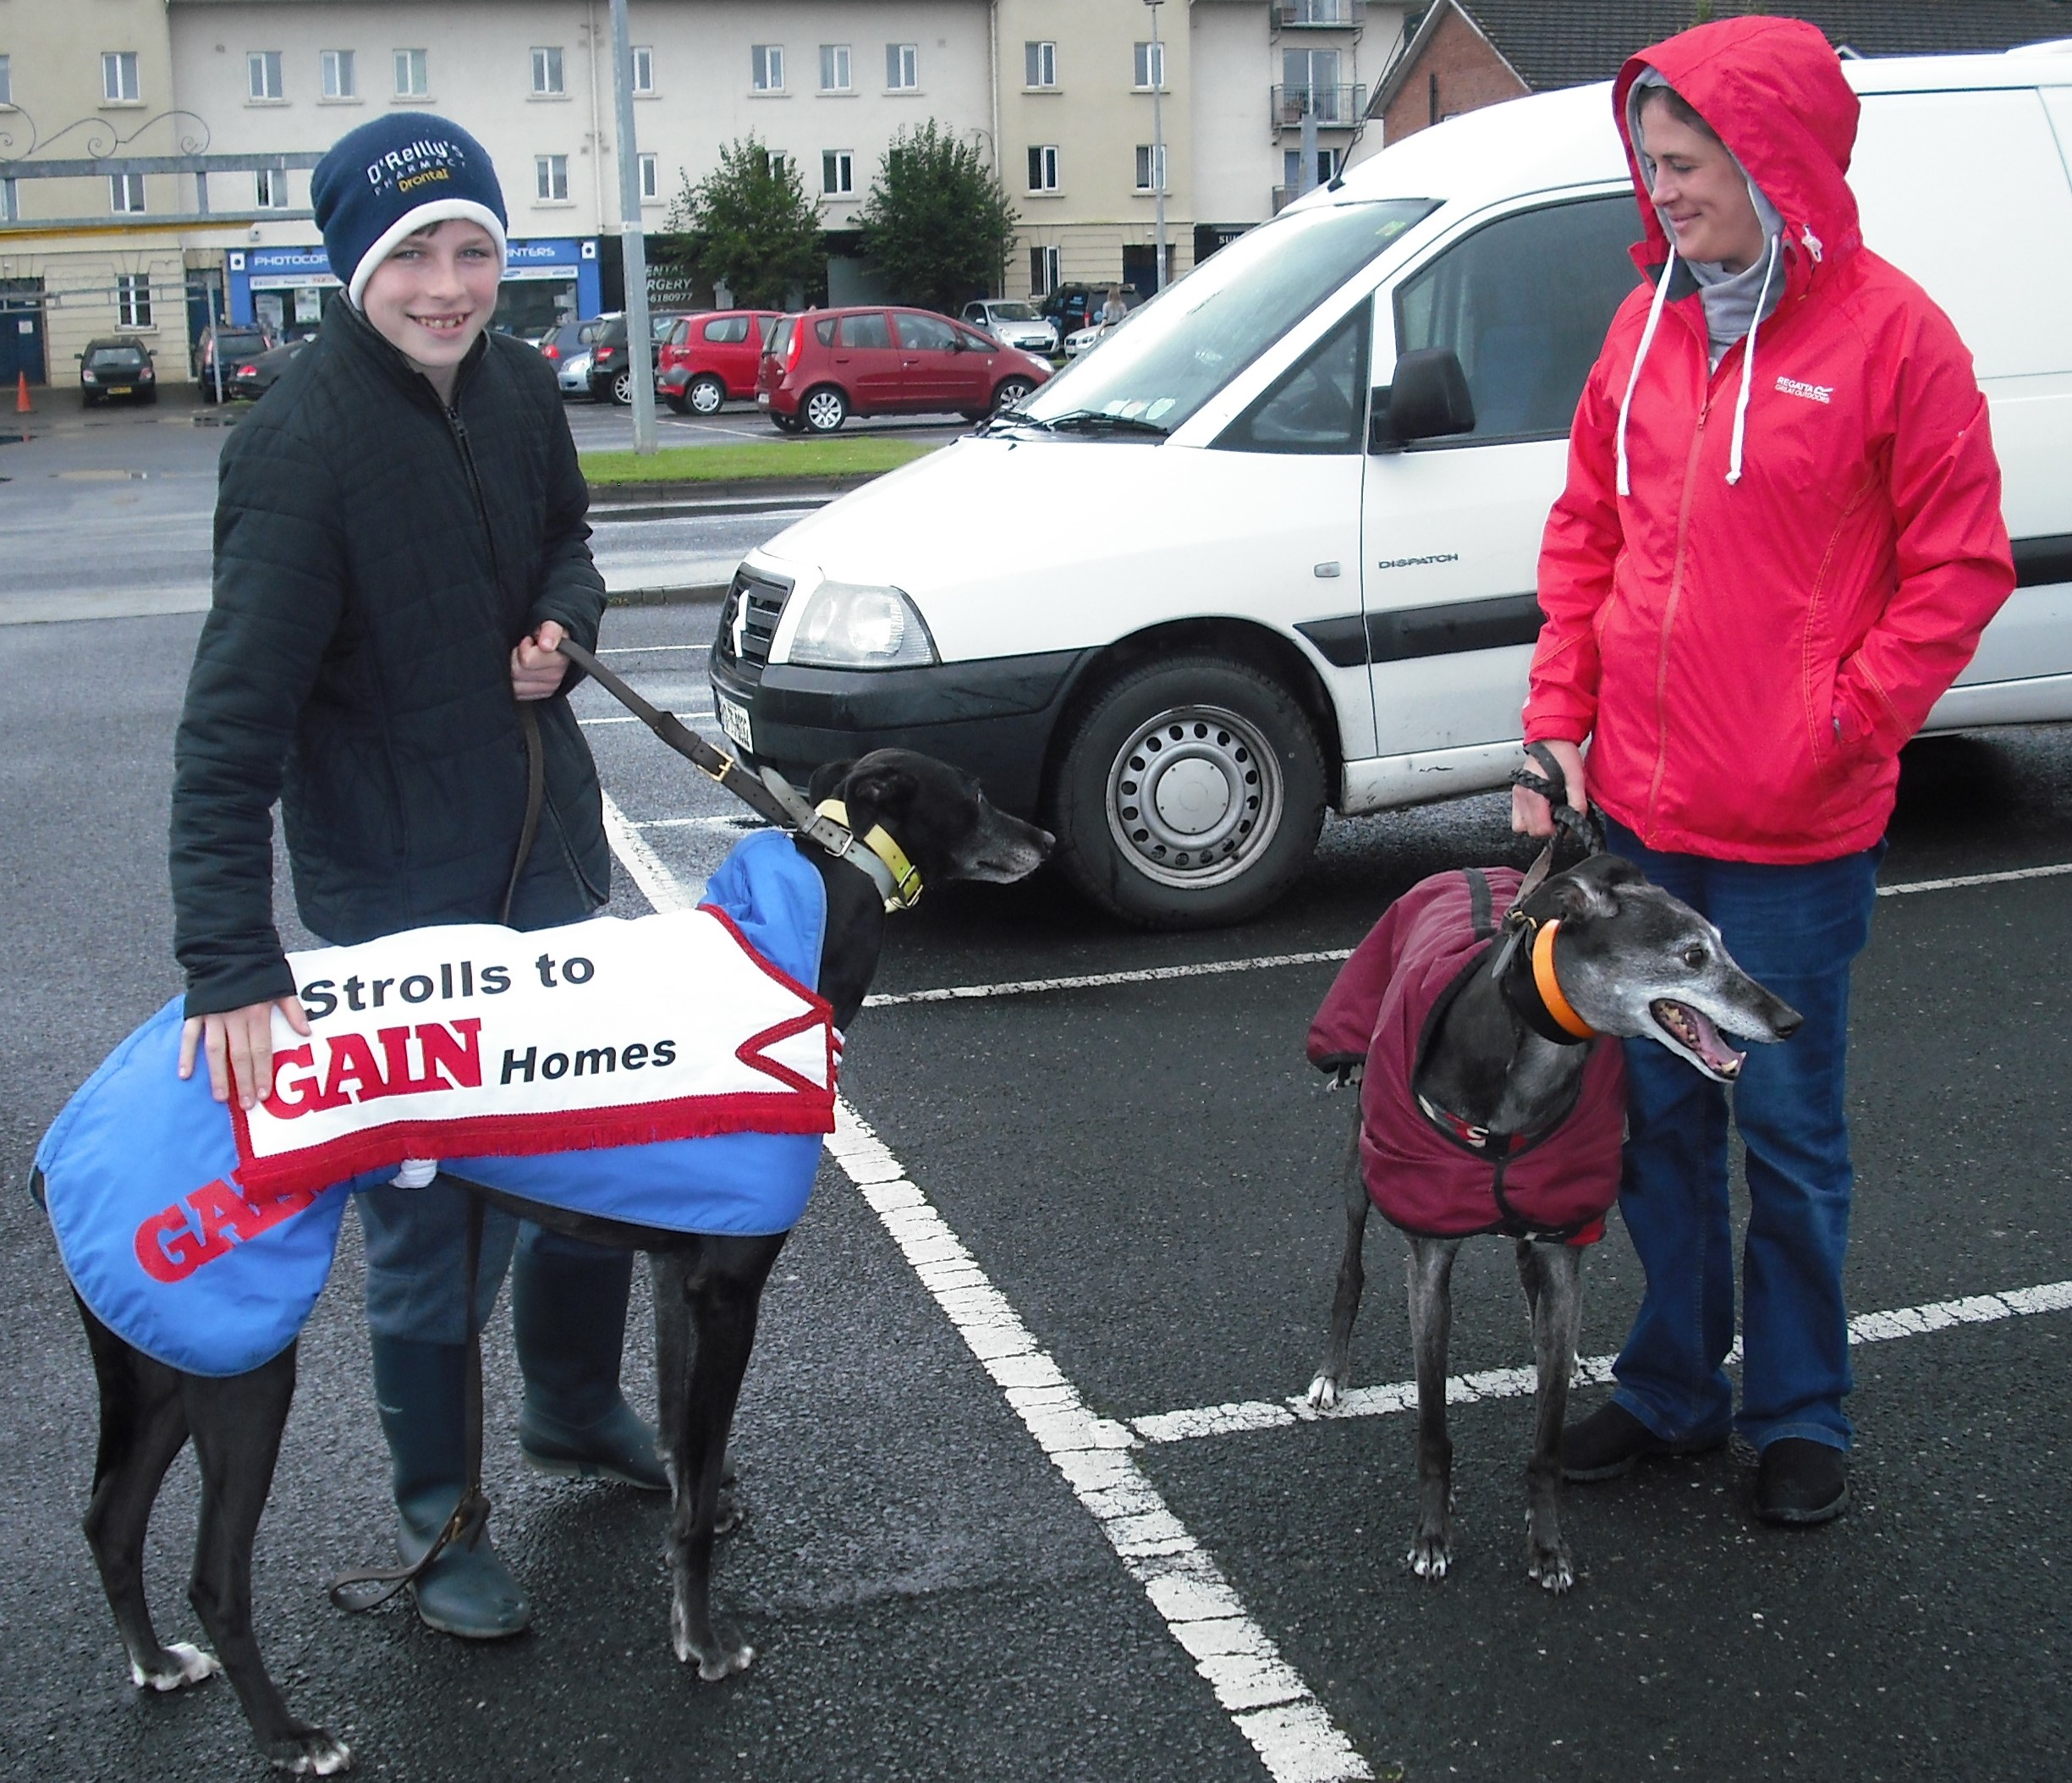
(1866,1328)
(1210,968)
(688,712)
(1270,1704)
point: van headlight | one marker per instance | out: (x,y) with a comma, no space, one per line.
(845,626)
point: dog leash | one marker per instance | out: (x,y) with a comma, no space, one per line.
(1581,831)
(770,796)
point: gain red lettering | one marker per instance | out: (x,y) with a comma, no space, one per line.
(451,1058)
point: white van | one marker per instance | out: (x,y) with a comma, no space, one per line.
(1217,575)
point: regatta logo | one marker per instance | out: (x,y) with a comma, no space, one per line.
(1811,393)
(172,1245)
(1418,563)
(414,1061)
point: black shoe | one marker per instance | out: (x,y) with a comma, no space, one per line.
(1611,1440)
(1798,1480)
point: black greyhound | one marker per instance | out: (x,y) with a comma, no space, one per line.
(707,1293)
(1633,961)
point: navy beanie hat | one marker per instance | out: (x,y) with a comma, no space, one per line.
(392,178)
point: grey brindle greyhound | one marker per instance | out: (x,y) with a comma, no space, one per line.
(707,1290)
(1633,962)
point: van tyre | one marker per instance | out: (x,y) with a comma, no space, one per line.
(824,410)
(1189,796)
(706,395)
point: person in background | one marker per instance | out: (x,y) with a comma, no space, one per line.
(400,546)
(1780,539)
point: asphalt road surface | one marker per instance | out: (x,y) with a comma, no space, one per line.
(1027,1496)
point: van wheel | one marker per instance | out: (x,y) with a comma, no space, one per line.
(1189,796)
(824,410)
(705,395)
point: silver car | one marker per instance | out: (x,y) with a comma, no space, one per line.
(1013,323)
(571,372)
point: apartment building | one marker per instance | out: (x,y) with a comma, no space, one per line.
(1090,110)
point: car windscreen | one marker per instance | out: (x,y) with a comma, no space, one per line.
(115,359)
(1014,312)
(1179,349)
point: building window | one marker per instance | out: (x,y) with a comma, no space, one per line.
(546,72)
(650,178)
(552,172)
(119,77)
(1291,168)
(272,189)
(7,83)
(10,201)
(779,164)
(126,193)
(1043,169)
(412,81)
(837,172)
(1039,64)
(834,76)
(1042,272)
(902,67)
(1151,65)
(335,69)
(644,67)
(133,300)
(766,67)
(262,73)
(1150,167)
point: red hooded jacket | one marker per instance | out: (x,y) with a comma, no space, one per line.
(1747,657)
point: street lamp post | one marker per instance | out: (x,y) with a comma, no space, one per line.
(640,349)
(1158,152)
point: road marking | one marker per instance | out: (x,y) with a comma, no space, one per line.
(647,649)
(687,713)
(1210,968)
(735,826)
(1267,1700)
(1467,1389)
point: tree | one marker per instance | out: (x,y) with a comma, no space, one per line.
(755,229)
(937,220)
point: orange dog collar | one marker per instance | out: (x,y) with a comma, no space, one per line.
(1549,987)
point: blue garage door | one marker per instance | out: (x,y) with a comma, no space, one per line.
(21,330)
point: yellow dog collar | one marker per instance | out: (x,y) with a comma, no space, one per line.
(898,879)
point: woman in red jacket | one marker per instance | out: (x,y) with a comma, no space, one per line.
(1780,539)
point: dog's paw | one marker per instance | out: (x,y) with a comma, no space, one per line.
(1551,1567)
(716,1658)
(310,1751)
(177,1666)
(1430,1555)
(1325,1393)
(729,1513)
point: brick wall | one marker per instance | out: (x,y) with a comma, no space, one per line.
(1470,75)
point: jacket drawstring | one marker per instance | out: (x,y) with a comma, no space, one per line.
(1647,336)
(1748,365)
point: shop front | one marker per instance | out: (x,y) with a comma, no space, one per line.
(285,290)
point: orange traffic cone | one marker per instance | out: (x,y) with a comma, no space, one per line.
(22,405)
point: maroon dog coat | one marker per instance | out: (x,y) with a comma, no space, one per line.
(1428,1172)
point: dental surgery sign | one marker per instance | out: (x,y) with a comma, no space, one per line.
(471,1040)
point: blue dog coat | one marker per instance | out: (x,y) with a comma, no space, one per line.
(140,1171)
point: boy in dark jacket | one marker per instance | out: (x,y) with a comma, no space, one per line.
(400,545)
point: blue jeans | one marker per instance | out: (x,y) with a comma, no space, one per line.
(1796,929)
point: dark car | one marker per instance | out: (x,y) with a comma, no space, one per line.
(1073,307)
(238,343)
(251,378)
(119,365)
(825,365)
(707,359)
(611,375)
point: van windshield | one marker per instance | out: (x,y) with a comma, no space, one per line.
(1179,349)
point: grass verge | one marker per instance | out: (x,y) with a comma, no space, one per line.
(779,459)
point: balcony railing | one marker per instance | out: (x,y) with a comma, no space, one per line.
(1335,108)
(1319,14)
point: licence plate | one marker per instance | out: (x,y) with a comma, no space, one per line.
(734,720)
(762,398)
(119,390)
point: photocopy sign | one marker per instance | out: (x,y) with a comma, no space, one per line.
(476,1039)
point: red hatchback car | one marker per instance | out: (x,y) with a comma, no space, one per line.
(825,365)
(707,359)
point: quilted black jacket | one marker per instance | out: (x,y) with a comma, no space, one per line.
(376,559)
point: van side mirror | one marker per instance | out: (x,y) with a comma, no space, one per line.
(1428,400)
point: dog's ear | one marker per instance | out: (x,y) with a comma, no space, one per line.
(885,788)
(825,779)
(1587,890)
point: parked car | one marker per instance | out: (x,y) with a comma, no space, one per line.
(1074,306)
(566,339)
(824,365)
(573,373)
(610,377)
(253,377)
(236,341)
(1013,322)
(119,365)
(1083,340)
(707,359)
(1295,573)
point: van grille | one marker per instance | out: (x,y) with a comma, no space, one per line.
(762,602)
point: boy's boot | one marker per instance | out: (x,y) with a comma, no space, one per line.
(421,1390)
(568,1315)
